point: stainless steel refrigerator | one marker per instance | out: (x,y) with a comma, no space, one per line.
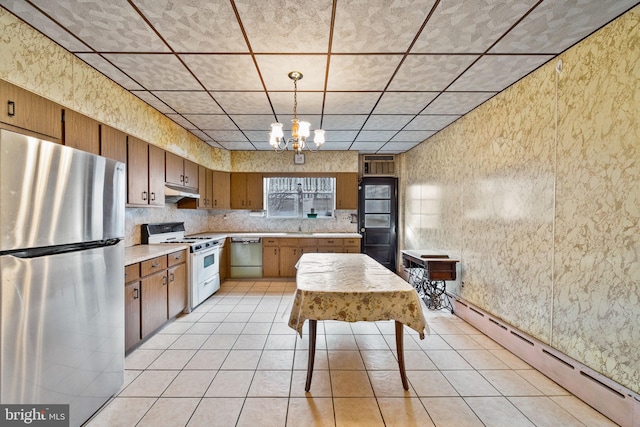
(62,271)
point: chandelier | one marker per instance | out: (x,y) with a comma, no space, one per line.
(299,129)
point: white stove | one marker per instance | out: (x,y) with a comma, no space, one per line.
(204,259)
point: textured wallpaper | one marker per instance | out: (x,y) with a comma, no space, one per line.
(546,226)
(35,63)
(270,161)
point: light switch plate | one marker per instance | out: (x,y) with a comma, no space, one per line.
(298,159)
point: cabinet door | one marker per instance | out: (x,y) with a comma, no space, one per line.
(26,110)
(156,176)
(174,169)
(137,171)
(208,183)
(131,314)
(255,191)
(221,190)
(270,261)
(81,132)
(239,191)
(288,258)
(203,203)
(154,302)
(190,174)
(177,289)
(113,143)
(347,191)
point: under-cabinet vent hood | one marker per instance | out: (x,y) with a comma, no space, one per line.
(173,193)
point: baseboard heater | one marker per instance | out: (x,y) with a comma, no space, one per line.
(603,394)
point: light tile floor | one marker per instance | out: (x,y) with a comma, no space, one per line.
(235,362)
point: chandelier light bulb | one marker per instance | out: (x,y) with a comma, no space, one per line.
(304,129)
(276,130)
(318,137)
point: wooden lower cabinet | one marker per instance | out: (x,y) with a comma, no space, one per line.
(271,261)
(177,289)
(131,314)
(289,256)
(154,302)
(155,291)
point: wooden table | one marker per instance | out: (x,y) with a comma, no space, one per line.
(352,288)
(428,271)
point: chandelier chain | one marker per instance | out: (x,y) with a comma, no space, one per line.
(295,98)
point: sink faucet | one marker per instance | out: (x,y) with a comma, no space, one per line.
(300,229)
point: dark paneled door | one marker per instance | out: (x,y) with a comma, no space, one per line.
(378,219)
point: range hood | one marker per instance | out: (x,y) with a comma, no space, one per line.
(173,193)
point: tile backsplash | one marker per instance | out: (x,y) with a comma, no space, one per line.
(230,221)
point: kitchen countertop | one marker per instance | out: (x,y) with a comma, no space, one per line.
(139,253)
(319,235)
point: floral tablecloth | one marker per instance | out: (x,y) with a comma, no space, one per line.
(351,288)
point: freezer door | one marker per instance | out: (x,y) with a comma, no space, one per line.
(53,195)
(62,329)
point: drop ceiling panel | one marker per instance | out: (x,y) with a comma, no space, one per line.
(285,119)
(203,136)
(431,122)
(308,102)
(404,102)
(189,102)
(344,121)
(387,122)
(457,102)
(378,25)
(258,136)
(101,64)
(237,145)
(469,26)
(211,121)
(224,72)
(155,72)
(397,147)
(368,146)
(430,72)
(375,135)
(275,71)
(243,102)
(332,136)
(37,20)
(286,26)
(224,136)
(414,136)
(555,25)
(106,26)
(495,72)
(196,25)
(350,103)
(361,72)
(254,121)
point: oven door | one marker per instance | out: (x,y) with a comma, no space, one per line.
(206,277)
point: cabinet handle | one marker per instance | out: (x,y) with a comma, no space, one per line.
(135,293)
(144,195)
(154,265)
(329,241)
(172,277)
(11,108)
(275,251)
(249,203)
(177,257)
(153,196)
(215,202)
(164,280)
(186,179)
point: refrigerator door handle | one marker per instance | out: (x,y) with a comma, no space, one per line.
(62,249)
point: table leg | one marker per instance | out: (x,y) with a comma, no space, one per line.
(400,351)
(313,326)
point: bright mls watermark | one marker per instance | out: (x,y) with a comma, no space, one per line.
(34,415)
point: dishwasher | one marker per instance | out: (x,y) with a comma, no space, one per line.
(246,257)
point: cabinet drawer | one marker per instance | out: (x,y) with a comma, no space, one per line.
(305,243)
(293,242)
(177,257)
(330,242)
(329,249)
(351,243)
(152,265)
(270,241)
(131,272)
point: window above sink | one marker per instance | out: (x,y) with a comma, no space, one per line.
(300,197)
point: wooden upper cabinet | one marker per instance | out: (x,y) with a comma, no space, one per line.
(181,171)
(25,110)
(137,171)
(113,143)
(145,173)
(221,190)
(246,190)
(81,132)
(208,180)
(156,175)
(347,190)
